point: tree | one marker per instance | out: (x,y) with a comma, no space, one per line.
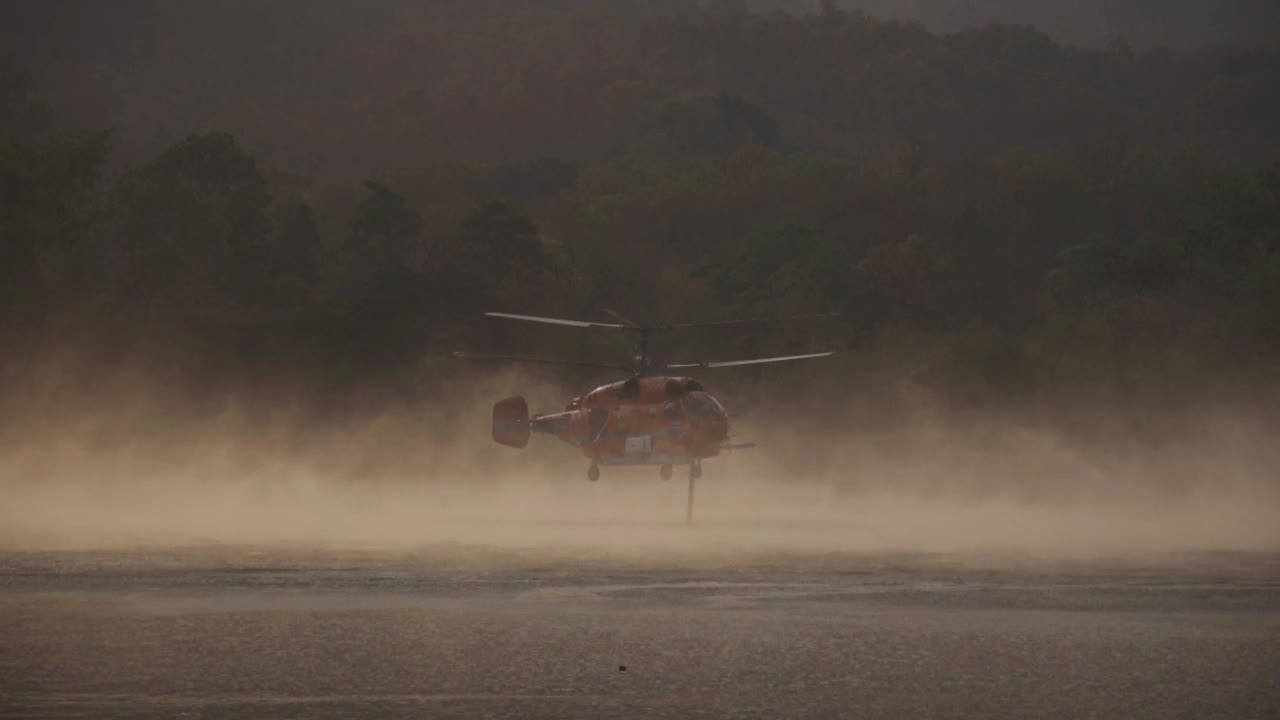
(224,180)
(385,232)
(297,241)
(48,203)
(383,293)
(497,234)
(532,181)
(193,223)
(716,125)
(904,281)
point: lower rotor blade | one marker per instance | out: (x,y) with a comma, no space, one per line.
(556,321)
(757,361)
(541,361)
(622,318)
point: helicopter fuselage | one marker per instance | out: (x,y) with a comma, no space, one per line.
(648,419)
(640,421)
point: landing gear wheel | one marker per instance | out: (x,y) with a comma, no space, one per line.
(593,472)
(695,472)
(665,472)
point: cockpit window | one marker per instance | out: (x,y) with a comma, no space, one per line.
(703,405)
(627,389)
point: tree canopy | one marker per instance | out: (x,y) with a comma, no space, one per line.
(1060,213)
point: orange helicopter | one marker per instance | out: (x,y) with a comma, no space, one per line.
(651,418)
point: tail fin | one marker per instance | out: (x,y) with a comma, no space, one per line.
(511,422)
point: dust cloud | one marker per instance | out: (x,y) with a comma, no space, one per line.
(125,474)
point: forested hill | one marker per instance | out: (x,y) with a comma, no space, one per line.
(329,89)
(1096,23)
(341,188)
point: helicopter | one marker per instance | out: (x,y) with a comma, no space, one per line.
(657,416)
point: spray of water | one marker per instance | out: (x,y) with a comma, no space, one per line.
(125,474)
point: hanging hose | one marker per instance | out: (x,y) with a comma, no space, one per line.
(688,511)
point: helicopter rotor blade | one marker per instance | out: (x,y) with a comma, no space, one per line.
(541,361)
(628,324)
(756,361)
(622,318)
(558,321)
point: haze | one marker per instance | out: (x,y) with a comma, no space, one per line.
(242,474)
(124,476)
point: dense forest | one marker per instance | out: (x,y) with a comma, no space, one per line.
(332,194)
(1143,23)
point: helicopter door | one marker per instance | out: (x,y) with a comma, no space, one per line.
(595,423)
(639,445)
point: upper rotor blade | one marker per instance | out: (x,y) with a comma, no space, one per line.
(543,361)
(556,321)
(757,361)
(750,321)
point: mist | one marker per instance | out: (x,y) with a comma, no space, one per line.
(129,475)
(1022,260)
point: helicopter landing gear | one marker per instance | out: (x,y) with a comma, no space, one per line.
(664,472)
(593,472)
(695,472)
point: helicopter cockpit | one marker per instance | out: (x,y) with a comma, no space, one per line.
(701,404)
(695,404)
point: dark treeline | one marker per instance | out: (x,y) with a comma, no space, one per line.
(1143,23)
(330,193)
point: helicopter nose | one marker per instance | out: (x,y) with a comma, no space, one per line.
(719,421)
(718,408)
(720,427)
